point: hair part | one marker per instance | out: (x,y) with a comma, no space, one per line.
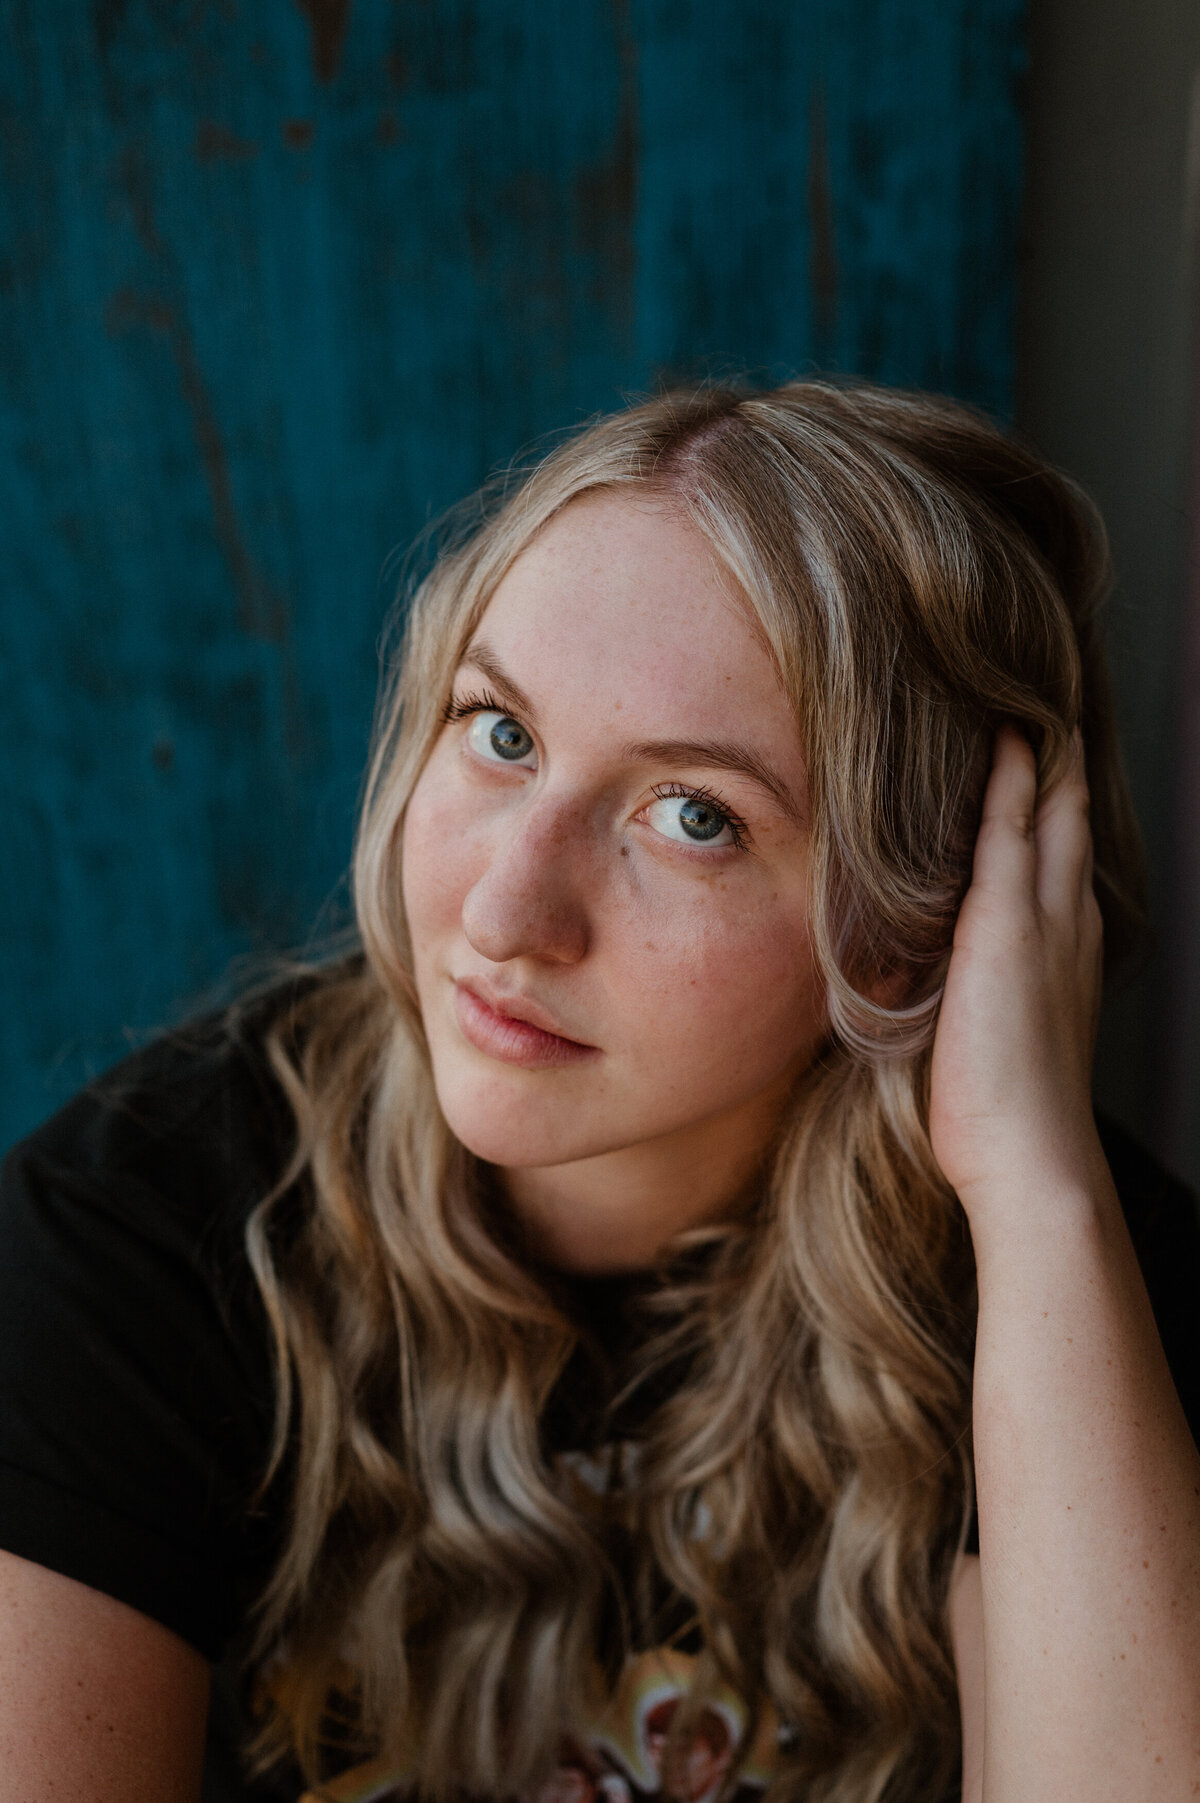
(918,578)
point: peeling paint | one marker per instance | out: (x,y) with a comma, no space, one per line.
(822,248)
(606,191)
(215,143)
(261,612)
(328,22)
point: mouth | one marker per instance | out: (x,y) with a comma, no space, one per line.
(514,1030)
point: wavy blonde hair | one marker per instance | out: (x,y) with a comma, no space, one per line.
(805,1477)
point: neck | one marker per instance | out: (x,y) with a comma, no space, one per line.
(618,1210)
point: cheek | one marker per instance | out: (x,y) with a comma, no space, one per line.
(721,984)
(436,857)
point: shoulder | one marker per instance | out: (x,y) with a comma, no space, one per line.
(137,1192)
(186,1134)
(197,1102)
(136,1374)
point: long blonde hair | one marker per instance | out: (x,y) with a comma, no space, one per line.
(805,1479)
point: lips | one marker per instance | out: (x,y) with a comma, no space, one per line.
(514,1029)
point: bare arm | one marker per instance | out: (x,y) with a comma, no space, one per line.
(1089,1513)
(1088,1481)
(98,1704)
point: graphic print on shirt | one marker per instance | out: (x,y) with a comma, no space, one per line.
(622,1752)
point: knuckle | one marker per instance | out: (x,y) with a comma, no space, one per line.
(1013,821)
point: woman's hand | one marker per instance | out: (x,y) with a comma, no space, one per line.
(1087,1479)
(1010,1104)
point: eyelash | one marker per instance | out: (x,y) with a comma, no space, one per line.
(486,703)
(473,703)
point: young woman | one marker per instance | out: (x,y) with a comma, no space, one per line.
(659,1319)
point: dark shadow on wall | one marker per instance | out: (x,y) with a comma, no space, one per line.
(1105,388)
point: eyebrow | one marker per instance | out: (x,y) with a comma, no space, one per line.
(714,754)
(718,754)
(480,654)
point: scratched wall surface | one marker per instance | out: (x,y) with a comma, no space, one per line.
(279,279)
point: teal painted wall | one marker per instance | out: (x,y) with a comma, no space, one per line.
(278,281)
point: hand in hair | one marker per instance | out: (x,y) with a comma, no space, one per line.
(1010,1102)
(1087,1480)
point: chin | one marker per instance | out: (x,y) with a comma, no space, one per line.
(522,1136)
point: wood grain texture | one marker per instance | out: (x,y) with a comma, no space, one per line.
(280,281)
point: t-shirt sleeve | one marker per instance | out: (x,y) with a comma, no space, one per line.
(135,1373)
(1164,1224)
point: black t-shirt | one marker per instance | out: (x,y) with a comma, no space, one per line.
(136,1384)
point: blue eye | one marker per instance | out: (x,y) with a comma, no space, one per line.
(495,735)
(691,818)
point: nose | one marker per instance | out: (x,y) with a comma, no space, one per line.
(529,901)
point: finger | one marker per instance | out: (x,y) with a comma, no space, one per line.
(1005,850)
(1062,830)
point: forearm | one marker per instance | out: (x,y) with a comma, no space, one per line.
(1089,1510)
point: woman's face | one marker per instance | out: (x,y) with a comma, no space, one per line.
(606,860)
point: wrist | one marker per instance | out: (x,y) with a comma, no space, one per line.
(1043,1196)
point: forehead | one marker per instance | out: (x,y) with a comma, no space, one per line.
(622,601)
